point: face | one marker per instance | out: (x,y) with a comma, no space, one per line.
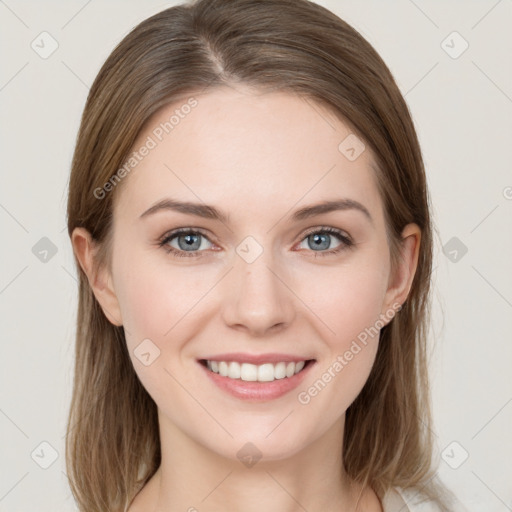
(258,279)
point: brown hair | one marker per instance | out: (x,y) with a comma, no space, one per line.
(112,446)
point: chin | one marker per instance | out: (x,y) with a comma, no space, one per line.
(265,444)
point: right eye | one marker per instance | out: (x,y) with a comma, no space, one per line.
(188,242)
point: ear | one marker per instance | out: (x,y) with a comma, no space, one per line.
(99,278)
(400,282)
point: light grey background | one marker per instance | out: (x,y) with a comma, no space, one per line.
(462,109)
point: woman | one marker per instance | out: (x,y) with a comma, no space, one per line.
(249,214)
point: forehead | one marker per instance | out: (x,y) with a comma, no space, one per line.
(248,151)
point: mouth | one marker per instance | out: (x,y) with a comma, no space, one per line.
(266,372)
(256,382)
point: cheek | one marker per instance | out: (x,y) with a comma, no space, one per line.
(163,307)
(351,310)
(157,304)
(347,299)
(153,297)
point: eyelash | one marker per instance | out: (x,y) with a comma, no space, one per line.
(346,242)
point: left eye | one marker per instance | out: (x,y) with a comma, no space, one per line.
(320,240)
(188,241)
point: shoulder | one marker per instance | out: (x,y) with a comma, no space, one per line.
(400,500)
(408,500)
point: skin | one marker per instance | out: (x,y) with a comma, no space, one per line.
(257,157)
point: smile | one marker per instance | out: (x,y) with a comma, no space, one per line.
(255,373)
(256,382)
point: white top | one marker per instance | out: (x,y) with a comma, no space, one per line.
(396,500)
(400,500)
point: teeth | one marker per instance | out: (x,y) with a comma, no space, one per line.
(234,370)
(251,372)
(223,368)
(280,371)
(266,372)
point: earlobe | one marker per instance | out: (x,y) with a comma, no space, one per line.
(98,276)
(400,283)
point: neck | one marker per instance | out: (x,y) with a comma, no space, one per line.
(194,478)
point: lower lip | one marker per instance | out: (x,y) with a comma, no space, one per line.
(257,391)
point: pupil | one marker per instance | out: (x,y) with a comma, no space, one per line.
(190,241)
(318,241)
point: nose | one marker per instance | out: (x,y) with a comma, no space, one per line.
(257,297)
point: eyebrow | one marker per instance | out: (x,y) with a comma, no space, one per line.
(210,212)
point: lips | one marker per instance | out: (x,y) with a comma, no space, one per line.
(256,358)
(257,378)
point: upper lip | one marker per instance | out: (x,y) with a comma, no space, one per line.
(256,358)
